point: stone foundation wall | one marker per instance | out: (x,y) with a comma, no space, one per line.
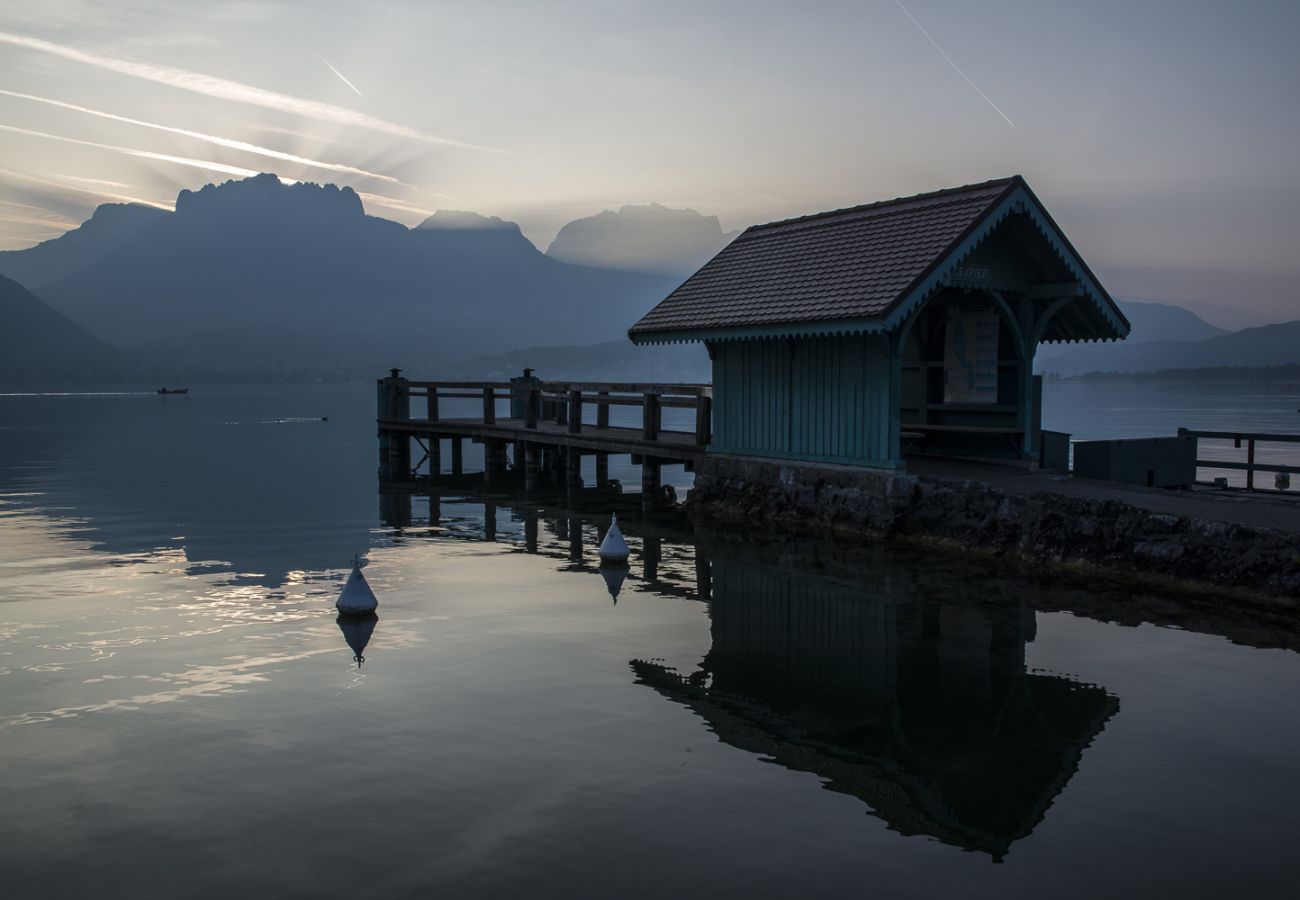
(1049,526)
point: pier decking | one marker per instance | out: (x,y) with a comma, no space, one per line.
(547,430)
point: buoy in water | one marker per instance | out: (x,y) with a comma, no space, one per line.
(356,599)
(613,549)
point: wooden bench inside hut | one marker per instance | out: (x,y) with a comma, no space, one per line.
(861,335)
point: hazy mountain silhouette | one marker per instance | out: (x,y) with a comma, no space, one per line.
(1267,345)
(111,226)
(1150,321)
(255,272)
(608,361)
(649,238)
(37,337)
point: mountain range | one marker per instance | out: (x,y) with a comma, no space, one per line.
(259,279)
(262,275)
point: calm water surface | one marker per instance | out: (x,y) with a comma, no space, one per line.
(181,715)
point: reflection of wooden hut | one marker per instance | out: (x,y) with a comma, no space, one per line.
(920,707)
(833,334)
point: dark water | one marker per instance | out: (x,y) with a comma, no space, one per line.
(182,716)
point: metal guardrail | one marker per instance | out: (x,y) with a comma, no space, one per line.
(1250,466)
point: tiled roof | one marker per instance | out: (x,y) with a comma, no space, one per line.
(847,264)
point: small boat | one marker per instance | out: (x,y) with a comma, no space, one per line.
(167,390)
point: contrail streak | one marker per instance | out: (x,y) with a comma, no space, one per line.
(229,143)
(102,195)
(391,203)
(225,89)
(956,67)
(342,78)
(141,154)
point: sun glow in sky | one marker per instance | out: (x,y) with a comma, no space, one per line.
(1161,134)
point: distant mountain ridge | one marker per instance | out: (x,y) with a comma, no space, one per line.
(649,238)
(1266,345)
(38,338)
(109,227)
(256,272)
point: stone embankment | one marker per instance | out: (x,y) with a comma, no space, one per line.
(1059,527)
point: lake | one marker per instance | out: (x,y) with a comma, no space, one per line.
(182,713)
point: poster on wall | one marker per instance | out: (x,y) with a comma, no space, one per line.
(970,358)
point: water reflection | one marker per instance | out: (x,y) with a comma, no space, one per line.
(912,696)
(357,631)
(896,679)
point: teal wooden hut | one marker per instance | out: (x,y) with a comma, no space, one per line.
(849,336)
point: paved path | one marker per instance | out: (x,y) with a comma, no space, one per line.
(1256,509)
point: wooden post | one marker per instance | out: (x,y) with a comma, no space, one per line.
(703,421)
(651,550)
(649,482)
(602,410)
(532,466)
(561,411)
(457,459)
(532,403)
(650,418)
(575,539)
(1250,464)
(602,470)
(530,529)
(494,461)
(435,455)
(489,521)
(575,412)
(573,470)
(489,406)
(435,510)
(703,576)
(433,404)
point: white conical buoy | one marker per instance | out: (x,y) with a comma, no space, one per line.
(613,549)
(357,599)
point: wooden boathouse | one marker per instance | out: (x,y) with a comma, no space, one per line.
(847,337)
(855,335)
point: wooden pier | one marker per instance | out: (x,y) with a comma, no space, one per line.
(545,431)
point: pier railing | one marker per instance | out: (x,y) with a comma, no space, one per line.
(1250,439)
(564,402)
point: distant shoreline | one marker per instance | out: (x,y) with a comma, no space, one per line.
(1283,376)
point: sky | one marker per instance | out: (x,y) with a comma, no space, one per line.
(1162,135)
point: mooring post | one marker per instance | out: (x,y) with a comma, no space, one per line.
(649,482)
(532,466)
(532,404)
(602,410)
(650,418)
(494,461)
(457,457)
(575,539)
(489,406)
(573,470)
(394,404)
(651,547)
(575,412)
(530,530)
(602,470)
(703,576)
(703,420)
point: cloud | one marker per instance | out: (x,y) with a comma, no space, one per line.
(204,164)
(340,75)
(225,89)
(229,143)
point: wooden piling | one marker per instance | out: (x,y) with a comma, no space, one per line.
(649,482)
(457,457)
(602,470)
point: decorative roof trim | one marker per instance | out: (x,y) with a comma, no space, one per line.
(1018,199)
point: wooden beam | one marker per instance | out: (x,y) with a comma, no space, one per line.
(1052,291)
